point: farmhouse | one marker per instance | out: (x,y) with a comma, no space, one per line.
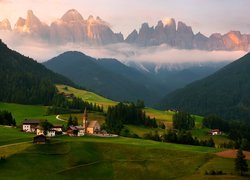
(215,132)
(57,128)
(70,95)
(40,139)
(40,131)
(72,131)
(80,130)
(76,131)
(30,125)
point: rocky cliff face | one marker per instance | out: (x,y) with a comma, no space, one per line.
(182,37)
(70,28)
(31,26)
(73,28)
(5,25)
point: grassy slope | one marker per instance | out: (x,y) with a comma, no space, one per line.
(87,96)
(109,158)
(161,116)
(21,112)
(10,135)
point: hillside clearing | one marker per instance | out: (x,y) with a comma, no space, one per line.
(232,154)
(87,96)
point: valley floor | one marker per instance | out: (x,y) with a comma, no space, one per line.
(110,158)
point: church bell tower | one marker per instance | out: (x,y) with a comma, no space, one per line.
(85,120)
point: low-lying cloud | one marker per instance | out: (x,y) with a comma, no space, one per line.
(42,51)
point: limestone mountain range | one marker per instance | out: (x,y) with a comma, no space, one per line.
(73,28)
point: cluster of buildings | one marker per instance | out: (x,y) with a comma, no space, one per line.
(87,127)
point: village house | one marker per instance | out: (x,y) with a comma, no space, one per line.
(80,131)
(76,131)
(40,131)
(215,132)
(40,139)
(33,125)
(72,131)
(30,125)
(57,128)
(67,95)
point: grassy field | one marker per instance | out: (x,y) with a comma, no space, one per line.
(202,133)
(21,112)
(87,96)
(110,158)
(9,135)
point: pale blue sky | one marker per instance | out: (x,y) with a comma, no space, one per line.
(206,16)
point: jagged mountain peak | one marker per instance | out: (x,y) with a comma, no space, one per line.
(183,27)
(32,19)
(71,16)
(5,25)
(169,21)
(159,24)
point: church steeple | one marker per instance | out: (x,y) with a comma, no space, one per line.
(85,120)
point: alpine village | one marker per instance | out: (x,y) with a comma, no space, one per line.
(140,95)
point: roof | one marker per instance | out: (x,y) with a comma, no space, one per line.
(215,130)
(79,127)
(57,126)
(92,124)
(40,138)
(72,128)
(32,121)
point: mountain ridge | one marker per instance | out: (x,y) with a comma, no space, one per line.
(72,27)
(224,93)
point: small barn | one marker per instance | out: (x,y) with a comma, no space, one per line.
(215,132)
(40,139)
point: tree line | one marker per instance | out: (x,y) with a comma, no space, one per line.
(126,113)
(63,105)
(179,137)
(6,118)
(238,131)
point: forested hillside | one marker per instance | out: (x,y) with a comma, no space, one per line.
(107,77)
(225,93)
(24,80)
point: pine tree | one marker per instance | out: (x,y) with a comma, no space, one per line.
(241,165)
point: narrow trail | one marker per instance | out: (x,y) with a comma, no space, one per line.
(59,119)
(7,145)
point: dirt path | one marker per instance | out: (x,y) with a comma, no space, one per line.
(59,119)
(7,145)
(232,154)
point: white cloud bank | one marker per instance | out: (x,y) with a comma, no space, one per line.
(42,51)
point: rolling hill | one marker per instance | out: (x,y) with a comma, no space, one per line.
(111,158)
(107,77)
(120,82)
(23,80)
(225,93)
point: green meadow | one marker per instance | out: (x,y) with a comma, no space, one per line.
(105,158)
(87,96)
(21,112)
(110,158)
